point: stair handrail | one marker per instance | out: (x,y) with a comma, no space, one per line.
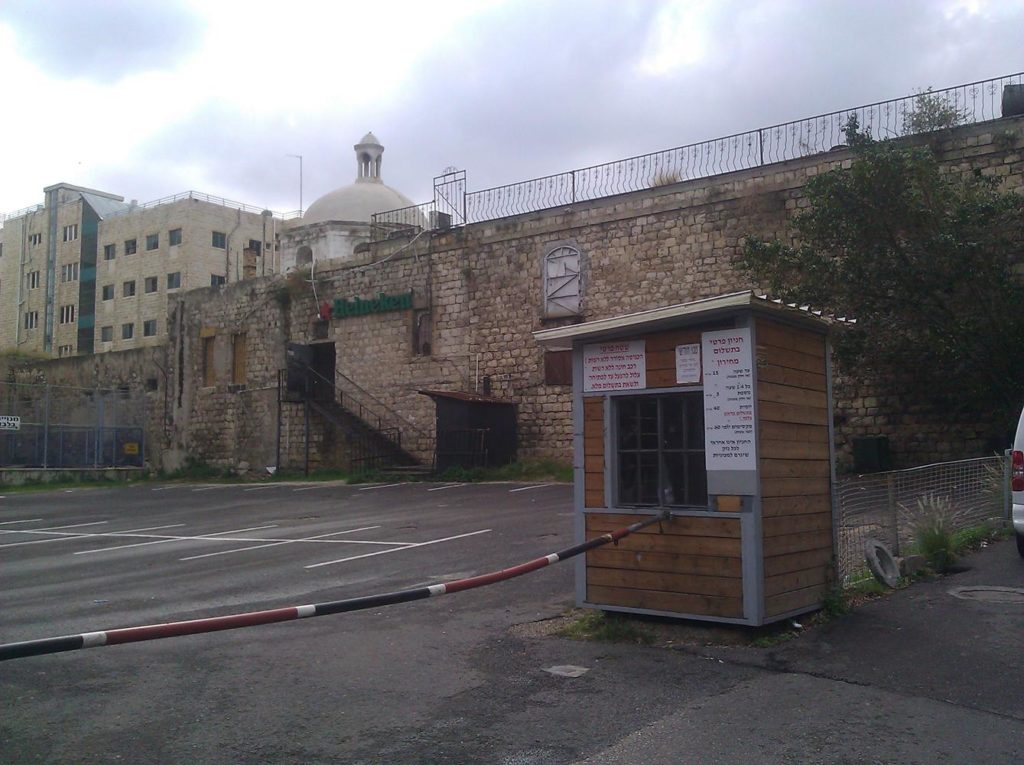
(391,412)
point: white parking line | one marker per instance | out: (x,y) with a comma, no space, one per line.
(380,486)
(27,520)
(166,488)
(264,486)
(449,486)
(215,486)
(63,536)
(164,539)
(396,549)
(275,544)
(310,488)
(528,488)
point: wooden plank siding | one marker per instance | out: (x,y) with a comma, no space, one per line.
(593,451)
(690,565)
(794,461)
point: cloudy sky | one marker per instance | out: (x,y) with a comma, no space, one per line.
(147,99)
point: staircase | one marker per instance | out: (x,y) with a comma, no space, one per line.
(364,447)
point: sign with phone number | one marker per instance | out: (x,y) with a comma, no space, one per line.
(10,422)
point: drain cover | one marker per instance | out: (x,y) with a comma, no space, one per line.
(990,594)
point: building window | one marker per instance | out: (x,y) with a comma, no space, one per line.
(174,280)
(152,241)
(34,240)
(422,333)
(558,367)
(150,284)
(130,246)
(562,282)
(1,249)
(149,328)
(128,289)
(238,359)
(208,361)
(71,232)
(256,246)
(174,237)
(108,291)
(109,251)
(216,280)
(220,240)
(33,280)
(65,350)
(660,450)
(67,314)
(127,331)
(69,273)
(107,334)
(31,319)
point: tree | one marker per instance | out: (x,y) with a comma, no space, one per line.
(926,260)
(932,111)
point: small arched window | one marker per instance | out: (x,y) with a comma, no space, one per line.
(304,256)
(562,282)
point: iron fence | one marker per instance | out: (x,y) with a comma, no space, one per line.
(911,115)
(890,506)
(56,426)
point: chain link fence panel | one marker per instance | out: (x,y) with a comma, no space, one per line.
(889,506)
(59,426)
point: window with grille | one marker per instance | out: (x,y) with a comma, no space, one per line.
(128,289)
(660,450)
(71,232)
(31,319)
(69,273)
(67,314)
(130,246)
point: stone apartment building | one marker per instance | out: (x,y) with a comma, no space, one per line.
(86,272)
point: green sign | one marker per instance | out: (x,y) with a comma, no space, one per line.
(381,304)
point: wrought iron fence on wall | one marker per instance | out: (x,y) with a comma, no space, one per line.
(56,426)
(889,506)
(911,115)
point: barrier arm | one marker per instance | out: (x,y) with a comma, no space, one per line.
(253,618)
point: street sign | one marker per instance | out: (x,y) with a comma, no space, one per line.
(10,422)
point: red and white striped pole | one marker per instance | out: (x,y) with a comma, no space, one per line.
(253,618)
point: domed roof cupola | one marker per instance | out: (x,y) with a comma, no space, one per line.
(358,201)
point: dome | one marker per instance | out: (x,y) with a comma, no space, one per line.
(356,202)
(360,200)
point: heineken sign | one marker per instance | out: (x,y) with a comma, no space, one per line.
(342,308)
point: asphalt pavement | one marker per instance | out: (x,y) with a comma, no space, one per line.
(920,676)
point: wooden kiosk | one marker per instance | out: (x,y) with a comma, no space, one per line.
(720,411)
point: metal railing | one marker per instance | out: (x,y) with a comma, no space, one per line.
(59,426)
(890,506)
(911,115)
(201,197)
(18,213)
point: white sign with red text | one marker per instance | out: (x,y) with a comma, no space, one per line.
(728,400)
(615,366)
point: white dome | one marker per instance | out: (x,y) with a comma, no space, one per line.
(360,200)
(356,202)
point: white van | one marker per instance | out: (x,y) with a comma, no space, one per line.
(1017,484)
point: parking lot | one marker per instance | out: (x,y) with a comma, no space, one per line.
(917,677)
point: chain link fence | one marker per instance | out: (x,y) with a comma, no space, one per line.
(57,426)
(888,506)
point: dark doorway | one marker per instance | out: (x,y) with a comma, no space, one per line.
(322,383)
(473,430)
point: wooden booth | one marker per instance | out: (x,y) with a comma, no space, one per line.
(720,411)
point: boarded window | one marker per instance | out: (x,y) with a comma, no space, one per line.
(562,285)
(558,368)
(209,375)
(238,359)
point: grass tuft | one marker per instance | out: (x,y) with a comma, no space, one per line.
(606,628)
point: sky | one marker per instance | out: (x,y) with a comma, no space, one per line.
(147,99)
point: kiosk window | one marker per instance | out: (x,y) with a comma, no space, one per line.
(660,450)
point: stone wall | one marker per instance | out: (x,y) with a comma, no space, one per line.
(478,297)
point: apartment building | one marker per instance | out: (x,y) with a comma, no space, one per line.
(85,272)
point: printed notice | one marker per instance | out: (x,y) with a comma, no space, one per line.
(687,364)
(10,422)
(614,366)
(728,400)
